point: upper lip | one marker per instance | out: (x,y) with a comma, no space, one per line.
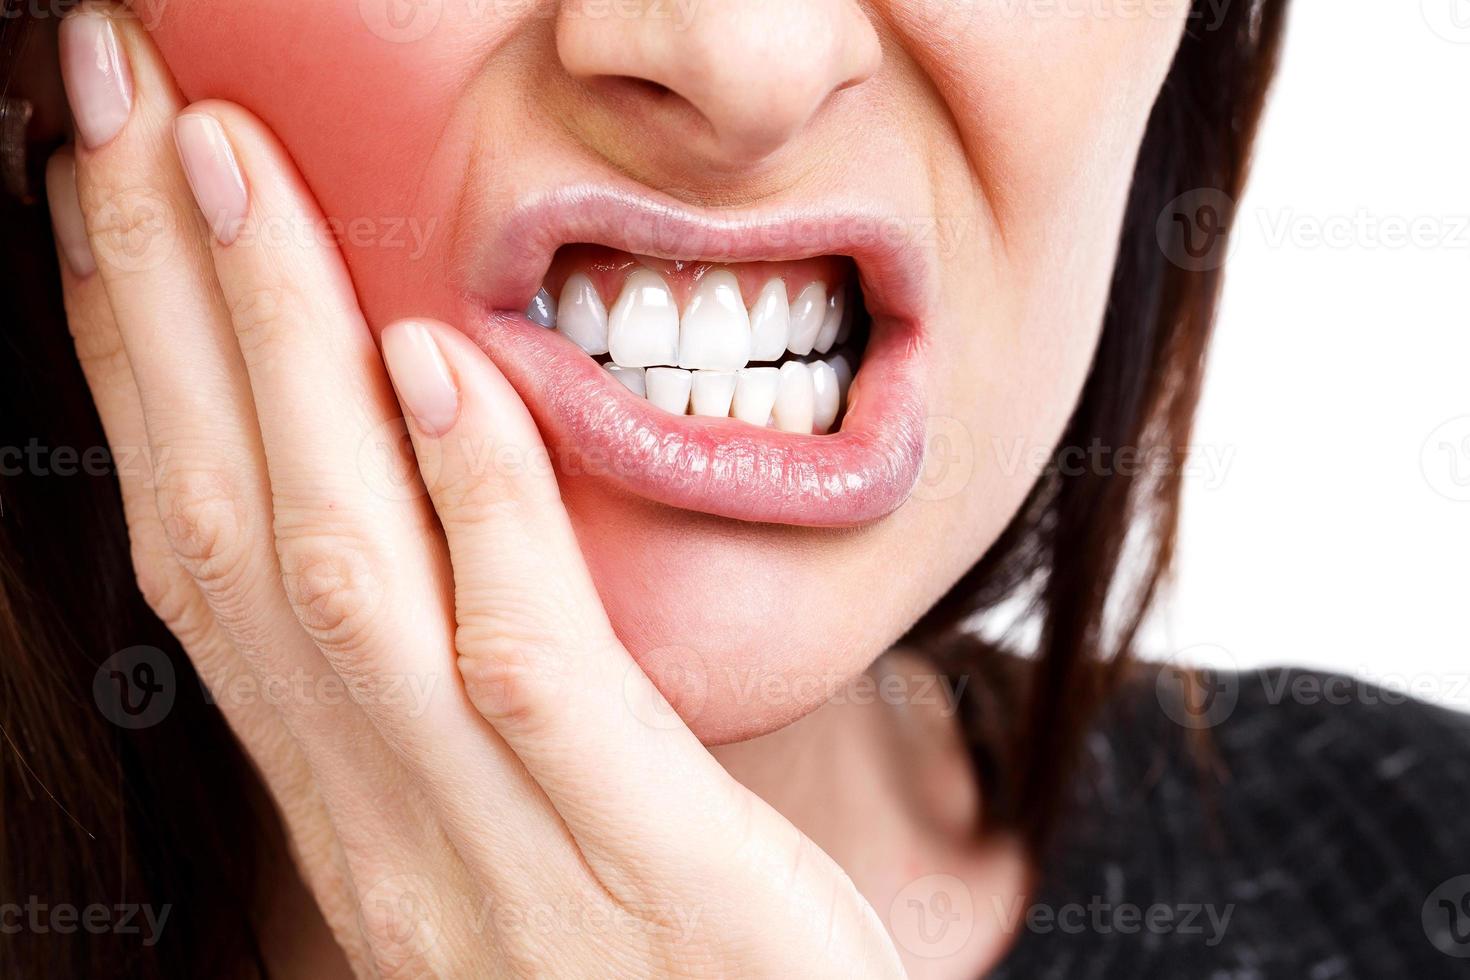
(512,257)
(860,474)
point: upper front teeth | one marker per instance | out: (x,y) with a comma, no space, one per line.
(700,360)
(807,315)
(770,323)
(643,328)
(715,331)
(581,317)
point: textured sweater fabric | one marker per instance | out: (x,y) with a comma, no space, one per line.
(1304,826)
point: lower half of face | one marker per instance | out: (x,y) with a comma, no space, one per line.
(801,293)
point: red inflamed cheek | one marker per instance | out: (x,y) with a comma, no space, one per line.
(362,115)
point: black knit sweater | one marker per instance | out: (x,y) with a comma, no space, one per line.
(1322,832)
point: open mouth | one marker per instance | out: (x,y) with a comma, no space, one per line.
(770,344)
(766,369)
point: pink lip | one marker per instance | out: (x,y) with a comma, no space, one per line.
(593,427)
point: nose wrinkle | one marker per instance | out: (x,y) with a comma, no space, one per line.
(757,71)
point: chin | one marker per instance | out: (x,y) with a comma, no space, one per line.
(743,626)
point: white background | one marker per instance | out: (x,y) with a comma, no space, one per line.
(1333,530)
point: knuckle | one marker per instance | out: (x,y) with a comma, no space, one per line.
(203,522)
(264,316)
(132,226)
(168,593)
(99,349)
(512,678)
(472,494)
(331,584)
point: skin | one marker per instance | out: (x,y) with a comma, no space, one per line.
(1012,133)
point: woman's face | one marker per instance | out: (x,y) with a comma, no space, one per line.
(957,168)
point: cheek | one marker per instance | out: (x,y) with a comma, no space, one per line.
(1049,113)
(356,109)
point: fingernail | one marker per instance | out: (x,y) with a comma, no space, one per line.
(421,376)
(66,215)
(213,172)
(99,85)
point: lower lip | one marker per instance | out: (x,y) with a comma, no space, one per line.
(594,428)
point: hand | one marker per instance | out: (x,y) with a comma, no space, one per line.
(490,800)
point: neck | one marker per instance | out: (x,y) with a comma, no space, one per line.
(881,779)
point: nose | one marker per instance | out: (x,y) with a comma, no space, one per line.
(756,71)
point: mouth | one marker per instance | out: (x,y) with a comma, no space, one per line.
(767,369)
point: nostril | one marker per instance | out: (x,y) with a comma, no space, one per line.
(650,88)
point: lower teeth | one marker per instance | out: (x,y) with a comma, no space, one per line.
(806,349)
(799,396)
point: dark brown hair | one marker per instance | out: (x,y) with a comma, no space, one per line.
(171,815)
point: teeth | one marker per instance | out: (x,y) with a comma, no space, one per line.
(712,344)
(581,317)
(844,332)
(826,398)
(631,378)
(807,315)
(831,323)
(713,393)
(795,408)
(715,332)
(770,323)
(844,375)
(643,330)
(669,389)
(755,394)
(542,310)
